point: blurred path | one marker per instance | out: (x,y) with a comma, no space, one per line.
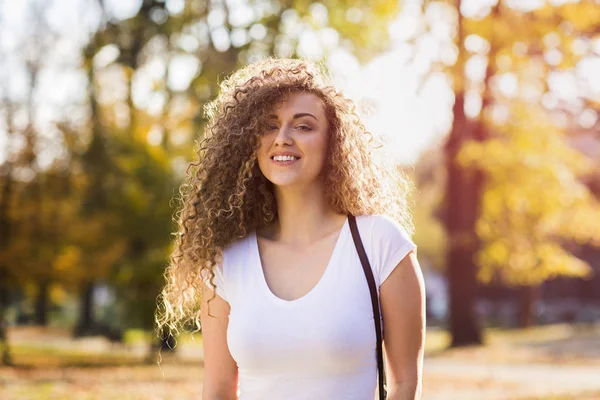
(544,363)
(460,379)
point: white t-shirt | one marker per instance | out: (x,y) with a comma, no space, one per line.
(322,345)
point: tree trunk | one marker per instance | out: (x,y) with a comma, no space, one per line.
(86,311)
(5,234)
(528,296)
(42,302)
(166,342)
(6,357)
(459,220)
(464,192)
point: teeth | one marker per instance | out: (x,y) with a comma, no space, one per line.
(284,158)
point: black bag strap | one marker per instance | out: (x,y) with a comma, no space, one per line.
(374,301)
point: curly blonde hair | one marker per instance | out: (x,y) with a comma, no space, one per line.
(225,195)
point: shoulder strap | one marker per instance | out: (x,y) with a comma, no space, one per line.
(374,301)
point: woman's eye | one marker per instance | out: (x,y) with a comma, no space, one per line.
(303,127)
(272,127)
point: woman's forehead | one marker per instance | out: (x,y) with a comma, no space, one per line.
(301,102)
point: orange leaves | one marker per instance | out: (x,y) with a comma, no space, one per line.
(67,262)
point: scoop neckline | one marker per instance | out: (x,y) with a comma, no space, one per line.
(315,288)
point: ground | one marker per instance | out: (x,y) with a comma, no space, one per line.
(556,362)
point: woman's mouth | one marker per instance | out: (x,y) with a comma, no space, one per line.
(284,160)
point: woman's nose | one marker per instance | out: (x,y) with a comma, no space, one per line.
(283,137)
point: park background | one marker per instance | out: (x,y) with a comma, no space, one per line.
(490,106)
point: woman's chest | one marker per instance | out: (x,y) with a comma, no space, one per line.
(328,332)
(291,273)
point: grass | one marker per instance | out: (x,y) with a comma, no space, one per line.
(66,369)
(40,356)
(147,382)
(580,396)
(559,343)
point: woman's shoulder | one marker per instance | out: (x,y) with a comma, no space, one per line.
(387,242)
(381,225)
(381,231)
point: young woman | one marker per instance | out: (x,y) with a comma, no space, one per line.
(266,252)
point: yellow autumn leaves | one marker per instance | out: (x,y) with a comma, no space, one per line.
(534,201)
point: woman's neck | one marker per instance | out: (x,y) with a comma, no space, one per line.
(304,215)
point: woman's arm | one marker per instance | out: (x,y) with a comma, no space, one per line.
(220,369)
(402,298)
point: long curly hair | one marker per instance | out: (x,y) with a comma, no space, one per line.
(225,196)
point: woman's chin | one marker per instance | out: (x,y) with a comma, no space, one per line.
(286,181)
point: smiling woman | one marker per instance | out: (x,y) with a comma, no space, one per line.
(284,184)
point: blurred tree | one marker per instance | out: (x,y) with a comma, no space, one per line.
(23,258)
(463,190)
(103,242)
(524,227)
(510,40)
(6,225)
(30,220)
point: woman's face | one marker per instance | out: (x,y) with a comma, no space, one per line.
(293,148)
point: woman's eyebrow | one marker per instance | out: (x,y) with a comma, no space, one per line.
(300,115)
(296,116)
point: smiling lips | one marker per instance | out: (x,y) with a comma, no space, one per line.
(284,159)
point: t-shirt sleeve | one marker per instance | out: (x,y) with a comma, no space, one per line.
(390,244)
(219,280)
